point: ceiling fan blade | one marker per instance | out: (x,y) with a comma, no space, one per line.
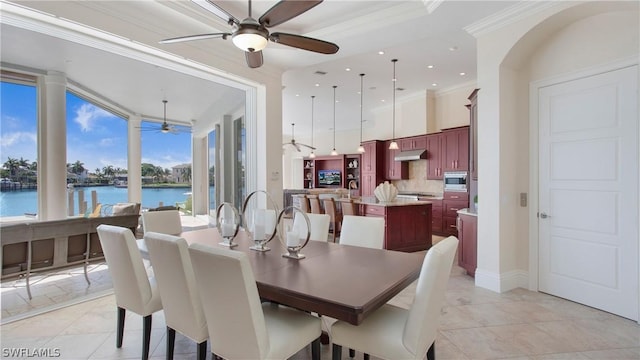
(305,43)
(217,11)
(286,10)
(194,37)
(296,146)
(254,58)
(307,146)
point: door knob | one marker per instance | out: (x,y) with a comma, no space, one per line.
(544,215)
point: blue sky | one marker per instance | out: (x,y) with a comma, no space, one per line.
(95,137)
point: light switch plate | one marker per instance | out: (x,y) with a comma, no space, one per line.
(523,199)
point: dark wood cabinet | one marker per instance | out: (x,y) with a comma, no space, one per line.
(436,216)
(434,156)
(453,201)
(348,166)
(407,227)
(413,143)
(473,134)
(352,171)
(309,173)
(371,166)
(395,170)
(468,248)
(455,149)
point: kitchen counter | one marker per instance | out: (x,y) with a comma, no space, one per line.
(467,211)
(397,202)
(408,223)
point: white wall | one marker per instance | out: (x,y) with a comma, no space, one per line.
(555,39)
(449,107)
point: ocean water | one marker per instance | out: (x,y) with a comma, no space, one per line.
(15,203)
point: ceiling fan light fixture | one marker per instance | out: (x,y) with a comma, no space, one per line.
(250,36)
(249,40)
(312,155)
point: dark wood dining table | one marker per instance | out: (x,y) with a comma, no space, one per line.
(344,282)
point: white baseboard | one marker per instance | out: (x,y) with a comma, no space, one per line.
(502,282)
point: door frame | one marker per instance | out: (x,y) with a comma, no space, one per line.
(534,88)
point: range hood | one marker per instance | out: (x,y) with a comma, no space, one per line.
(411,155)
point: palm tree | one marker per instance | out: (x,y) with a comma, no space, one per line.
(12,165)
(186,174)
(77,167)
(108,171)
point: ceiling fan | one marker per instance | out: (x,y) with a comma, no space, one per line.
(165,127)
(252,36)
(295,144)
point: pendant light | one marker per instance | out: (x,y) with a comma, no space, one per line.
(394,144)
(361,148)
(334,152)
(313,154)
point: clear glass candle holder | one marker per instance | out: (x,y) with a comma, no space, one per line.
(292,238)
(259,219)
(228,223)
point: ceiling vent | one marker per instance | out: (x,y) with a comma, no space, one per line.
(320,72)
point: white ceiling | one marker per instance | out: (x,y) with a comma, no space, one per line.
(405,30)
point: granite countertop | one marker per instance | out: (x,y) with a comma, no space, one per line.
(467,211)
(371,200)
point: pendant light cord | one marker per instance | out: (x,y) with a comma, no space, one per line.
(312,99)
(394,98)
(361,106)
(334,117)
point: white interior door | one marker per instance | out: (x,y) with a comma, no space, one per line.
(588,206)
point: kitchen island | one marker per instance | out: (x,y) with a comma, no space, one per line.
(407,222)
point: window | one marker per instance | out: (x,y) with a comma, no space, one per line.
(18,145)
(96,155)
(166,166)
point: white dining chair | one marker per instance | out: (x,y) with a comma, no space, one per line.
(164,222)
(319,230)
(173,271)
(132,287)
(395,333)
(364,231)
(240,327)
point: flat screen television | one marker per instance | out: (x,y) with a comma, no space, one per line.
(329,177)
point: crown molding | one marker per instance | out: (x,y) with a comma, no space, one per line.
(455,88)
(508,16)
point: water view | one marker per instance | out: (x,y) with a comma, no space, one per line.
(15,203)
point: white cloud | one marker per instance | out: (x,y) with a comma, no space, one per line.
(14,138)
(88,114)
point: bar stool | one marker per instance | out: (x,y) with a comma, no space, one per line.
(349,207)
(336,217)
(314,204)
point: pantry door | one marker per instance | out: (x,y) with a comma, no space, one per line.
(588,191)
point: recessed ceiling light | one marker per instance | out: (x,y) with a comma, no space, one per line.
(347,69)
(382,100)
(463,73)
(317,85)
(380,52)
(297,94)
(434,84)
(453,48)
(429,66)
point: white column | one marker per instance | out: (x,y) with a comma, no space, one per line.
(52,150)
(199,176)
(134,159)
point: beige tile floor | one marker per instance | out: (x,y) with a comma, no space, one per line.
(475,324)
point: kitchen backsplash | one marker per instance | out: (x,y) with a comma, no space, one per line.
(418,180)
